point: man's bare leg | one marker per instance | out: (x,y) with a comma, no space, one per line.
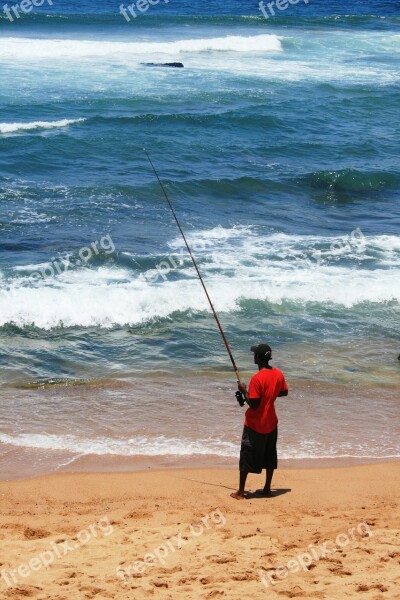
(266,490)
(239,495)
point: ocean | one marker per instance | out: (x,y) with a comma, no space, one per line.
(278,144)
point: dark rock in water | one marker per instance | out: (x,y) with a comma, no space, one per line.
(174,65)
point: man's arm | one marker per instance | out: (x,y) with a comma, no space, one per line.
(254,403)
(285,390)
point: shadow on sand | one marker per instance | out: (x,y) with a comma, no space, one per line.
(248,495)
(274,494)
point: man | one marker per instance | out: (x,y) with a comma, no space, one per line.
(260,433)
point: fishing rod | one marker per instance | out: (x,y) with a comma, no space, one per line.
(197,269)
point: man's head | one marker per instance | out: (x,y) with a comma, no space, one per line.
(262,354)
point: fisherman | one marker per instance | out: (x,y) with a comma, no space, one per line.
(260,427)
(260,433)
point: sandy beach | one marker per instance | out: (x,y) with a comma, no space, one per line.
(327,533)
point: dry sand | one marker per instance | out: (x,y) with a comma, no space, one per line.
(229,543)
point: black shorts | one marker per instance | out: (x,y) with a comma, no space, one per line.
(258,451)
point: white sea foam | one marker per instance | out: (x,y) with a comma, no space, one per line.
(135,446)
(250,266)
(242,55)
(167,446)
(211,237)
(49,49)
(13,127)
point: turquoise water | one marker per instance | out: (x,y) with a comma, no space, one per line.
(278,144)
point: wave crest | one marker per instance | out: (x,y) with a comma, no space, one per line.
(14,127)
(49,49)
(278,268)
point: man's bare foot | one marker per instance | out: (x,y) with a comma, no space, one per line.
(238,496)
(264,492)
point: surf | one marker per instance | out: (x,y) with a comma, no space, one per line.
(341,271)
(16,127)
(52,49)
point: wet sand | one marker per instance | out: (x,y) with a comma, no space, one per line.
(126,427)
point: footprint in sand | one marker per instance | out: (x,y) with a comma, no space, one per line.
(90,591)
(294,592)
(171,570)
(222,560)
(35,534)
(244,576)
(23,591)
(159,583)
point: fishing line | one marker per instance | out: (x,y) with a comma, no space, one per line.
(197,269)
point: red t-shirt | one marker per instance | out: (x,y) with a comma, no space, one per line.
(266,384)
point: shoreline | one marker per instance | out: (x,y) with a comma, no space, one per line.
(177,533)
(200,469)
(284,465)
(104,428)
(111,464)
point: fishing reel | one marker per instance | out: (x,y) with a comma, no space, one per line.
(240,398)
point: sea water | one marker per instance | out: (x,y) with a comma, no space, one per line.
(278,144)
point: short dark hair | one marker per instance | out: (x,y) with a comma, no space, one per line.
(263,352)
